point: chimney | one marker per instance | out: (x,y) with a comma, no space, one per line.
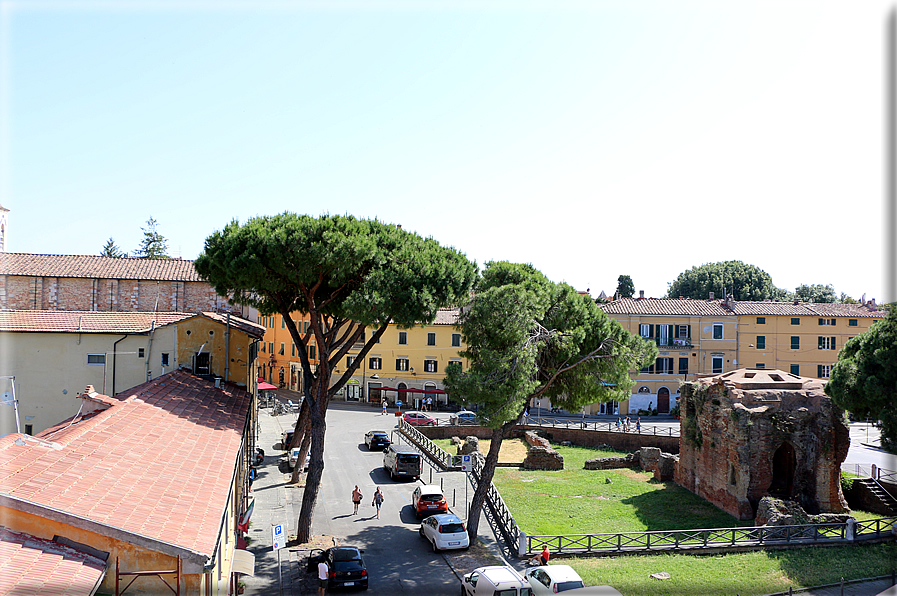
(711,296)
(641,294)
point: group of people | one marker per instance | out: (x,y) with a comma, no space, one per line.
(626,425)
(425,405)
(377,501)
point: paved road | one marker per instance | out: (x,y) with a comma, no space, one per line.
(399,560)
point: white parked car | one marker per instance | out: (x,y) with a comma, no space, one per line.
(554,579)
(294,457)
(489,581)
(445,531)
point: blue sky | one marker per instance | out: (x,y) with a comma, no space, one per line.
(591,139)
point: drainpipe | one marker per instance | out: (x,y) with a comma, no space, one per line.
(227,349)
(149,350)
(113,361)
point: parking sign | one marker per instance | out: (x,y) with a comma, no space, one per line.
(466,463)
(278,538)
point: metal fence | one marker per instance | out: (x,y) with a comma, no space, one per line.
(498,514)
(599,425)
(804,534)
(870,471)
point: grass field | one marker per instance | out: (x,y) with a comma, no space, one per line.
(746,574)
(575,501)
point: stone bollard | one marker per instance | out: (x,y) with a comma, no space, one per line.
(521,545)
(851,529)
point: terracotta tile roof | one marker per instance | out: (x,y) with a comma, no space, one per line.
(805,309)
(40,567)
(97,267)
(72,321)
(251,328)
(718,308)
(447,316)
(666,306)
(158,462)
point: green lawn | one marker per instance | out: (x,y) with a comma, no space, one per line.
(746,574)
(577,501)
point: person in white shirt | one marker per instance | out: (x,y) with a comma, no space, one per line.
(323,570)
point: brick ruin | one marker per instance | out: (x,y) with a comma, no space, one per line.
(751,433)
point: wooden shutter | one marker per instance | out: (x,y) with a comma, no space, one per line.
(820,343)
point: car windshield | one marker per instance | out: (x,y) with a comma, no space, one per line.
(408,458)
(432,498)
(452,528)
(346,555)
(564,586)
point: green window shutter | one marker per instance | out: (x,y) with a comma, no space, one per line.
(675,331)
(795,369)
(689,331)
(651,331)
(795,342)
(670,331)
(834,347)
(761,342)
(820,321)
(820,343)
(851,322)
(819,371)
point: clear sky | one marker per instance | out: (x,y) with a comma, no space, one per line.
(591,139)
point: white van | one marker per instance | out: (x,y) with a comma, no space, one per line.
(495,581)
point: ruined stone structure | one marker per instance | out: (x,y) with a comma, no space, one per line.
(541,455)
(750,433)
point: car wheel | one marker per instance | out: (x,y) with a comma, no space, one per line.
(435,548)
(421,531)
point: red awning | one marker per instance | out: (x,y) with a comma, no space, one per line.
(264,386)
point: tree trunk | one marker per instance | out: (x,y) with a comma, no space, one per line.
(316,465)
(301,439)
(483,483)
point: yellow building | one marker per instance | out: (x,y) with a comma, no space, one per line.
(53,355)
(406,359)
(701,337)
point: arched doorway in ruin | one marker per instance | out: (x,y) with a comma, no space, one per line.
(784,462)
(663,401)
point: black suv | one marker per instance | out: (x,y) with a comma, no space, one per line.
(346,568)
(376,439)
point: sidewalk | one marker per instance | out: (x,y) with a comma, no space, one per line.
(274,503)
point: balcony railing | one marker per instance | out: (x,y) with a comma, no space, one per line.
(679,342)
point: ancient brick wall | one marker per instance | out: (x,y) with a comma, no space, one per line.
(68,293)
(740,443)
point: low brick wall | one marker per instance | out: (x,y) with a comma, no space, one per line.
(627,442)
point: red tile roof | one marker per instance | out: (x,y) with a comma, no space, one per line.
(40,567)
(62,321)
(253,329)
(71,321)
(447,316)
(157,463)
(97,267)
(811,309)
(665,306)
(719,308)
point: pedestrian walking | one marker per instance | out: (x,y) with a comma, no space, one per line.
(429,403)
(638,424)
(323,574)
(628,424)
(383,413)
(356,498)
(378,501)
(619,422)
